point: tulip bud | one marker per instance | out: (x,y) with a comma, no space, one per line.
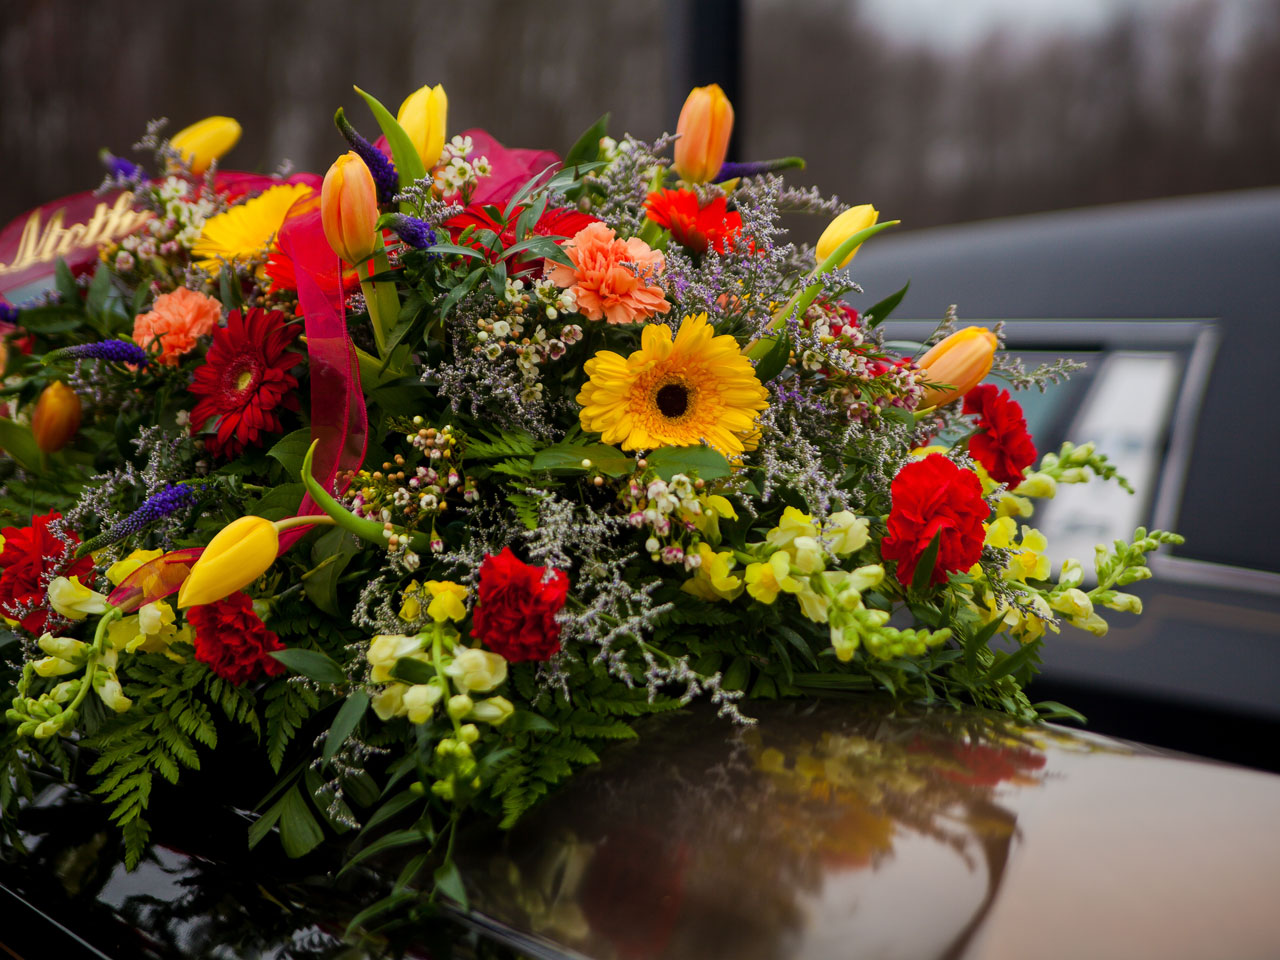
(423,115)
(237,556)
(57,417)
(705,125)
(961,360)
(854,220)
(206,141)
(349,208)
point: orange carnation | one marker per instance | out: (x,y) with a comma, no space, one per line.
(611,278)
(177,319)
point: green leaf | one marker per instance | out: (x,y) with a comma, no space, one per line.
(311,664)
(775,361)
(587,147)
(735,678)
(345,722)
(335,550)
(65,282)
(397,803)
(456,250)
(17,441)
(410,670)
(526,721)
(1021,657)
(52,319)
(229,289)
(900,416)
(568,457)
(528,218)
(449,883)
(1053,710)
(461,290)
(880,312)
(397,838)
(980,639)
(408,163)
(290,449)
(259,829)
(299,832)
(539,246)
(498,279)
(709,464)
(279,502)
(925,564)
(99,291)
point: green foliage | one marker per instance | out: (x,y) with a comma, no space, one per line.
(569,736)
(288,705)
(161,734)
(498,446)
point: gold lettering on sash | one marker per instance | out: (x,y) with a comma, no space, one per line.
(43,245)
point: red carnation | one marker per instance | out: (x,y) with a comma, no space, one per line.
(516,612)
(933,497)
(233,641)
(691,224)
(244,378)
(32,556)
(1004,447)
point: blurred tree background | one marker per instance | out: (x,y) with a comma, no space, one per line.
(1155,99)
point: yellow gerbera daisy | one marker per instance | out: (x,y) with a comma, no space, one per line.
(245,232)
(668,393)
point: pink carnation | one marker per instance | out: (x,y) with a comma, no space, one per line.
(611,278)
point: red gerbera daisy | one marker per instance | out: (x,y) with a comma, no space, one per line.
(561,222)
(692,225)
(244,378)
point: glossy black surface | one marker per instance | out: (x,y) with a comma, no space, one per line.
(837,829)
(851,829)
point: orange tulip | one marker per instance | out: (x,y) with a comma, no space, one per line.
(57,417)
(349,208)
(961,360)
(706,122)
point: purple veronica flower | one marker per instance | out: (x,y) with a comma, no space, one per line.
(384,173)
(166,503)
(416,233)
(754,168)
(117,351)
(119,167)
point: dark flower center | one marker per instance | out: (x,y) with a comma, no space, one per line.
(672,400)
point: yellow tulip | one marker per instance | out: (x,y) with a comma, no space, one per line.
(705,125)
(349,208)
(206,141)
(423,115)
(240,553)
(56,418)
(961,361)
(853,220)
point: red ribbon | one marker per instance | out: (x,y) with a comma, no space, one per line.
(339,420)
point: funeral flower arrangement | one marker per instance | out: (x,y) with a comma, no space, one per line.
(415,486)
